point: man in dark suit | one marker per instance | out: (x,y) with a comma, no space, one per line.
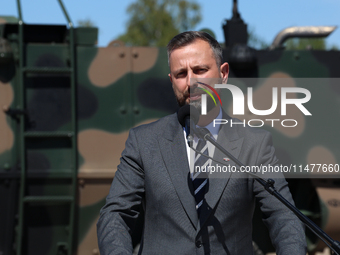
(154,175)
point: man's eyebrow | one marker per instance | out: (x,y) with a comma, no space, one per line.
(180,70)
(194,67)
(201,66)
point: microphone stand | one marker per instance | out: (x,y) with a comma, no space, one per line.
(269,186)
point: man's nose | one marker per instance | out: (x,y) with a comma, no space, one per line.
(191,79)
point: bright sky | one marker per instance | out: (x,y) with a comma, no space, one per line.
(267,17)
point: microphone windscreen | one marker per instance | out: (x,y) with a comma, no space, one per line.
(188,111)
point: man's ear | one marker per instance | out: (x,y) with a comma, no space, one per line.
(224,69)
(170,77)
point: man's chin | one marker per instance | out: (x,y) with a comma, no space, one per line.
(196,104)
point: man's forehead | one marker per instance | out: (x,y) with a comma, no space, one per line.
(197,40)
(202,51)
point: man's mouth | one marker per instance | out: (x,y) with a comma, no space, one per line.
(195,96)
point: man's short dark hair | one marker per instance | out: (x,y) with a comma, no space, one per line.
(186,38)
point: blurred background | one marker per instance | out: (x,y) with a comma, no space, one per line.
(265,18)
(69,96)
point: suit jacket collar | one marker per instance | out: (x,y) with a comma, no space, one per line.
(232,142)
(173,149)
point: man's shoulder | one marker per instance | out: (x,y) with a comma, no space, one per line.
(241,127)
(158,125)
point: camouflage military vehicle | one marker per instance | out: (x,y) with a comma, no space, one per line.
(66,107)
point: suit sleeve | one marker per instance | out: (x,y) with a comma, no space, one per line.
(285,229)
(123,204)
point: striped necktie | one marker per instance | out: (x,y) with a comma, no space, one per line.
(200,179)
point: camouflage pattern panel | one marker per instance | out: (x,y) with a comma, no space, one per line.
(317,141)
(121,87)
(48,157)
(313,141)
(9,171)
(8,19)
(118,88)
(8,99)
(48,103)
(9,167)
(329,195)
(6,127)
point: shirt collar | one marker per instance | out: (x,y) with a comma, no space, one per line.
(214,129)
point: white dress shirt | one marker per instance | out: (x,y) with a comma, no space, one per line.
(211,148)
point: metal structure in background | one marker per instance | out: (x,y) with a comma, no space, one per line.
(31,204)
(66,107)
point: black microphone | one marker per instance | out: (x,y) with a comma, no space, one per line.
(188,117)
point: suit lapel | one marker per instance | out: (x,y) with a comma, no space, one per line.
(230,140)
(173,150)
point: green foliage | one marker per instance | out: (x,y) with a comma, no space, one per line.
(333,47)
(306,43)
(85,23)
(209,31)
(155,22)
(256,41)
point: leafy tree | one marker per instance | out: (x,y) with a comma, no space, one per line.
(309,43)
(155,22)
(333,47)
(305,44)
(85,23)
(255,41)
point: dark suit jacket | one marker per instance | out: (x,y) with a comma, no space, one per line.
(154,174)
